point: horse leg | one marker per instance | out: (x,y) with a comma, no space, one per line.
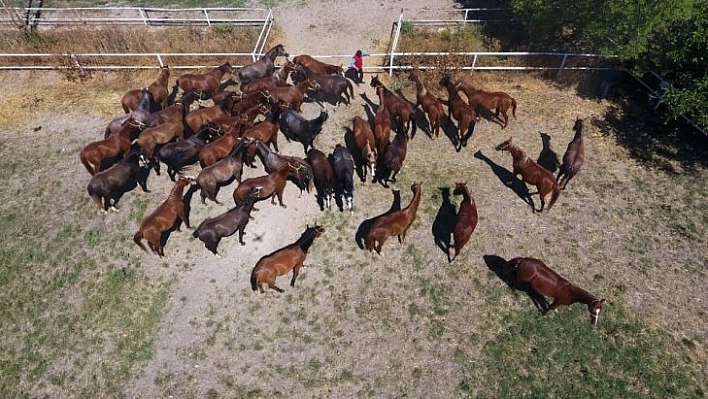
(101,205)
(296,271)
(241,232)
(552,306)
(183,215)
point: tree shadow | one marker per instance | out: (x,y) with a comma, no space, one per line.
(548,158)
(508,179)
(363,229)
(496,264)
(444,222)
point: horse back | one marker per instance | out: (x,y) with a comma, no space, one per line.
(542,278)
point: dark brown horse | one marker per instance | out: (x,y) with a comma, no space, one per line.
(430,103)
(323,175)
(273,161)
(343,166)
(159,89)
(402,110)
(212,230)
(179,154)
(222,172)
(366,144)
(466,220)
(532,173)
(393,224)
(111,183)
(496,100)
(93,154)
(544,281)
(139,115)
(295,127)
(393,158)
(271,185)
(283,260)
(316,66)
(335,89)
(574,156)
(261,68)
(457,108)
(163,219)
(206,84)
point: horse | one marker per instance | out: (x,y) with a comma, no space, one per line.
(317,66)
(265,131)
(139,115)
(393,158)
(323,175)
(382,124)
(366,144)
(296,128)
(532,173)
(430,103)
(545,281)
(223,171)
(465,221)
(163,219)
(93,154)
(343,166)
(179,154)
(271,185)
(466,116)
(401,109)
(333,86)
(158,89)
(250,100)
(151,137)
(261,68)
(272,161)
(206,84)
(198,117)
(280,262)
(293,96)
(497,101)
(221,147)
(574,156)
(278,78)
(393,224)
(212,230)
(111,183)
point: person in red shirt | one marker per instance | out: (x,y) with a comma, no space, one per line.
(357,62)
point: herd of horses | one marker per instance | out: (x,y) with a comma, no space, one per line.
(242,128)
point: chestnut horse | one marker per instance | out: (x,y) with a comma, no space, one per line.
(332,88)
(163,133)
(532,173)
(382,124)
(317,66)
(457,108)
(272,185)
(221,147)
(159,89)
(206,84)
(278,78)
(574,156)
(323,175)
(111,183)
(393,158)
(466,220)
(222,172)
(162,219)
(544,281)
(201,116)
(93,154)
(366,144)
(401,109)
(428,102)
(272,161)
(293,96)
(393,224)
(283,260)
(265,131)
(261,68)
(139,115)
(497,101)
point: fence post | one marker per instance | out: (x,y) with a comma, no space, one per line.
(206,15)
(394,46)
(159,59)
(474,63)
(464,23)
(143,15)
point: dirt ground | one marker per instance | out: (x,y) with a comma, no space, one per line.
(348,328)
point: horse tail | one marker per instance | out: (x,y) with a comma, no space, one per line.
(254,280)
(556,194)
(369,242)
(513,107)
(137,239)
(415,127)
(87,165)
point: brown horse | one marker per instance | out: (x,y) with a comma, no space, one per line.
(272,185)
(457,108)
(265,131)
(223,171)
(198,117)
(221,147)
(163,219)
(293,96)
(323,175)
(179,154)
(393,158)
(544,281)
(332,88)
(497,101)
(261,68)
(574,156)
(278,78)
(159,90)
(317,66)
(428,102)
(532,173)
(111,183)
(139,115)
(115,145)
(283,260)
(272,161)
(382,124)
(366,144)
(401,109)
(206,84)
(466,219)
(393,224)
(151,137)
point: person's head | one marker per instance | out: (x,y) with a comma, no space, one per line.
(358,53)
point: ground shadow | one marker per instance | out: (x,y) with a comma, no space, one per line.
(548,158)
(444,222)
(363,230)
(496,264)
(508,179)
(369,107)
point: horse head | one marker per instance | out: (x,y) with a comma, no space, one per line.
(375,81)
(504,146)
(460,188)
(594,308)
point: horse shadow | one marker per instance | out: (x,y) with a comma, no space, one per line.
(421,120)
(488,115)
(363,230)
(356,154)
(370,107)
(449,128)
(548,159)
(444,222)
(496,264)
(508,179)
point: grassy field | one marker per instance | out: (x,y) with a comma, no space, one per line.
(87,314)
